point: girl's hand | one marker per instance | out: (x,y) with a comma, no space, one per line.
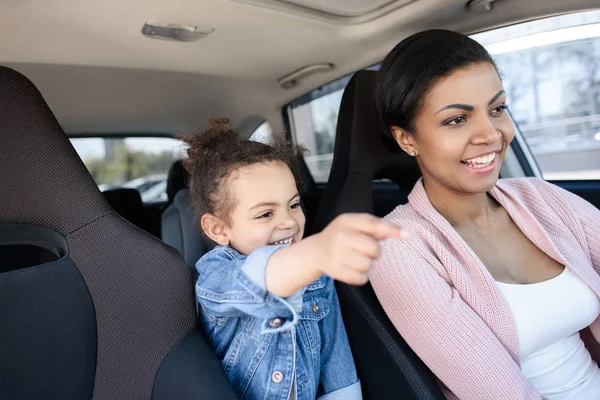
(347,247)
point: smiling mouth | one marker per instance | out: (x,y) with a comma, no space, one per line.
(480,162)
(290,240)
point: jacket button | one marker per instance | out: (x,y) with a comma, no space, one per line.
(275,322)
(277,376)
(315,308)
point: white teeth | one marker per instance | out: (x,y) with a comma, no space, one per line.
(284,241)
(479,162)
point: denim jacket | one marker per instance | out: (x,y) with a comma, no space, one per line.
(268,345)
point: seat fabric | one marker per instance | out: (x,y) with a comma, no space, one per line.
(177,179)
(111,316)
(180,230)
(127,203)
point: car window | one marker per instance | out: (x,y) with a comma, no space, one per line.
(263,133)
(551,72)
(313,121)
(140,163)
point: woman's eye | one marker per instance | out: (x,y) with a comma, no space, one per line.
(267,214)
(294,206)
(456,120)
(499,110)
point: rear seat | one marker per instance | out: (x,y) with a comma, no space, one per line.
(179,226)
(177,179)
(127,203)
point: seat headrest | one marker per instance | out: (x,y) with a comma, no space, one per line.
(43,179)
(124,201)
(177,179)
(360,147)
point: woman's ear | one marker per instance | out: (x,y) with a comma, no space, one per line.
(215,228)
(404,139)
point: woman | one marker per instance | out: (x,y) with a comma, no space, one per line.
(498,277)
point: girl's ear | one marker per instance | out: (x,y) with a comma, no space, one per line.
(215,228)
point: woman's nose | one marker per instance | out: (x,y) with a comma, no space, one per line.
(485,132)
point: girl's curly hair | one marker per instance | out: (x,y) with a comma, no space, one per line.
(216,153)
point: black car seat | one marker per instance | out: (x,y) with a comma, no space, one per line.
(387,367)
(177,179)
(180,230)
(179,227)
(128,204)
(111,315)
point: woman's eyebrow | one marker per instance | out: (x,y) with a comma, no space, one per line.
(500,93)
(467,107)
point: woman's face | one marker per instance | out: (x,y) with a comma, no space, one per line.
(462,131)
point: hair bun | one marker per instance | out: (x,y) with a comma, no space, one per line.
(219,123)
(214,142)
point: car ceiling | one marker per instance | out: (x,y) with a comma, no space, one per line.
(99,74)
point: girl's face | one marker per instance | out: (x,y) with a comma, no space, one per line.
(266,208)
(462,132)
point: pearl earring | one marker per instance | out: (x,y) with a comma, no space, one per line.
(413,153)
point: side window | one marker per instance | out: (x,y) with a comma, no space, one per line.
(140,163)
(313,120)
(263,133)
(551,72)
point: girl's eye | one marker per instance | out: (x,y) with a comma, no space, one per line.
(294,206)
(499,110)
(456,121)
(267,214)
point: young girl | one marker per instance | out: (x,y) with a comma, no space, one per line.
(269,306)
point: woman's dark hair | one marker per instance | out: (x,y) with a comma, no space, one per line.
(414,66)
(216,153)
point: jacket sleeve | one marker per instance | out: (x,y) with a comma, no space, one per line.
(232,285)
(442,329)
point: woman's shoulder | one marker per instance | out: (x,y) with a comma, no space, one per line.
(421,234)
(403,213)
(535,193)
(525,184)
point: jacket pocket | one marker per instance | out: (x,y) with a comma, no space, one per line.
(316,305)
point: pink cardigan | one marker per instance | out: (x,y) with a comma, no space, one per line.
(447,306)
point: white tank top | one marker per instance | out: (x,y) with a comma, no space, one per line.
(548,317)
